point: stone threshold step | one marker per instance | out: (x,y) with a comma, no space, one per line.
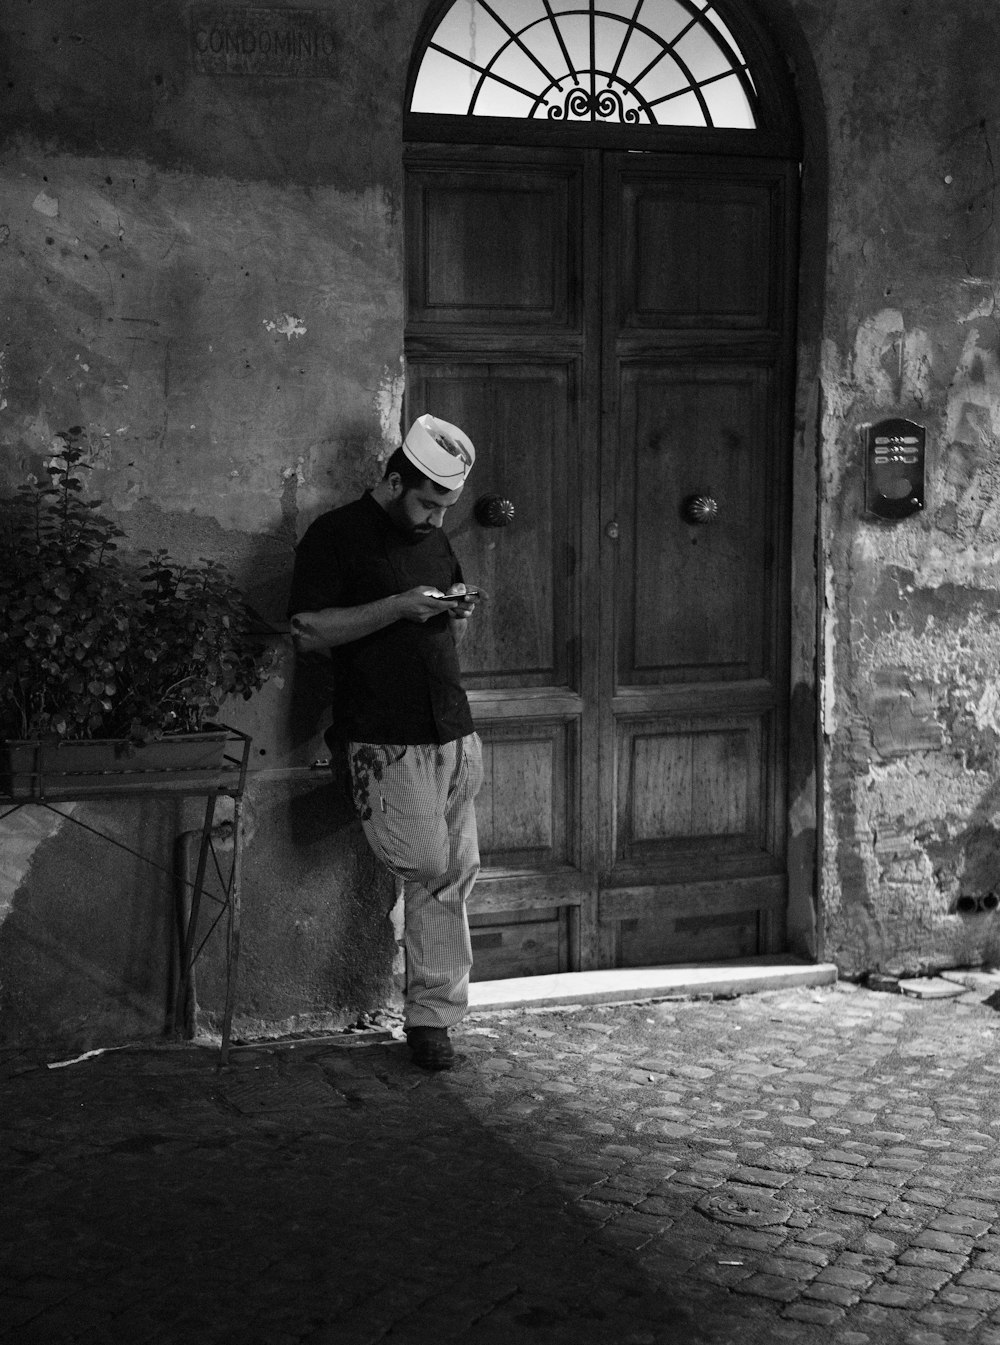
(624,984)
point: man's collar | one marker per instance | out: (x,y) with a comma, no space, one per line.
(376,509)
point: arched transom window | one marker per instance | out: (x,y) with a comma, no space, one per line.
(651,62)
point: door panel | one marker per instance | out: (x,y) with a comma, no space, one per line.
(694,688)
(497,343)
(528,806)
(521,657)
(521,634)
(666,937)
(723,234)
(683,782)
(494,249)
(693,600)
(519,943)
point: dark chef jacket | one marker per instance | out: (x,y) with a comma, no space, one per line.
(400,684)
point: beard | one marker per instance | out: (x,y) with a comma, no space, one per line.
(412,532)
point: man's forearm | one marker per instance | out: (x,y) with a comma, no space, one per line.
(312,632)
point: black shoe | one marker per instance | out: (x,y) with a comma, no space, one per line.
(430,1047)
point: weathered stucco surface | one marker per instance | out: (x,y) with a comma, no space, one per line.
(911,655)
(206,272)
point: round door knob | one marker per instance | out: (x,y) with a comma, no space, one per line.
(700,509)
(493,511)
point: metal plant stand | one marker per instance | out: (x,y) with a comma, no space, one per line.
(42,779)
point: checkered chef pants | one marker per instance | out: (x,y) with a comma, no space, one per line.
(416,804)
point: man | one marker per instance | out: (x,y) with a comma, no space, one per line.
(377,584)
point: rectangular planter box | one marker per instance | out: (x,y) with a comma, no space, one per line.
(31,770)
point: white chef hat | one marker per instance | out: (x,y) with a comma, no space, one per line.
(441,451)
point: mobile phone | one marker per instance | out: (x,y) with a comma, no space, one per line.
(460,597)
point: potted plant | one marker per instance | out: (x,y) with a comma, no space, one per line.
(99,647)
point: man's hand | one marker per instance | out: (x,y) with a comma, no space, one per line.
(319,632)
(421,603)
(461,611)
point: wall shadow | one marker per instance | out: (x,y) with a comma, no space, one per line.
(332,1195)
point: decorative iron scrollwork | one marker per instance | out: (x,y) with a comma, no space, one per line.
(607,105)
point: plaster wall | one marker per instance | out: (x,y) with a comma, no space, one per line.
(910,636)
(205,271)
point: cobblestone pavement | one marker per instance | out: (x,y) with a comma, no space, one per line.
(806,1165)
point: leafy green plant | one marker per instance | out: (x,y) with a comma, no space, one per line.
(96,645)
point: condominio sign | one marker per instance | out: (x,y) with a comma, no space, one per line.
(226,40)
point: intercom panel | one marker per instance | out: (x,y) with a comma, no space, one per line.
(894,459)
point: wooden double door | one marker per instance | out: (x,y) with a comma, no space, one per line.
(614,332)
